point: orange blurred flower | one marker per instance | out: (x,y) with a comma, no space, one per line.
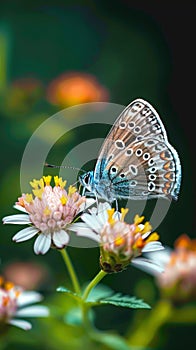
(75,88)
(28,275)
(178,281)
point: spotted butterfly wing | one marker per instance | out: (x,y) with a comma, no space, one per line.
(136,159)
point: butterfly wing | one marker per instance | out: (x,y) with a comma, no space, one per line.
(136,158)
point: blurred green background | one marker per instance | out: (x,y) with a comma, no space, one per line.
(132,49)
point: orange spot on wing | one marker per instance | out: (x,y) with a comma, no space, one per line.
(166,166)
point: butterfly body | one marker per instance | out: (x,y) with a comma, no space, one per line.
(136,160)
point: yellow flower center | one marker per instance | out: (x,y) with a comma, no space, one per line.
(123,213)
(47,179)
(138,219)
(8,285)
(111,220)
(37,183)
(147,227)
(38,187)
(38,193)
(47,211)
(63,200)
(153,237)
(29,198)
(119,241)
(71,190)
(59,182)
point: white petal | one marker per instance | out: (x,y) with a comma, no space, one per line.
(102,213)
(82,230)
(60,239)
(87,204)
(25,234)
(152,246)
(92,222)
(28,297)
(145,235)
(160,256)
(147,266)
(42,243)
(93,210)
(21,324)
(33,311)
(19,207)
(77,226)
(102,208)
(17,219)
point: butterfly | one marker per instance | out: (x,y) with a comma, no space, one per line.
(136,160)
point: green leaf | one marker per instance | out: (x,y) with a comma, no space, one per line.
(68,292)
(113,341)
(99,292)
(101,295)
(124,301)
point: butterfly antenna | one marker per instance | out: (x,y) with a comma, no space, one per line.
(62,166)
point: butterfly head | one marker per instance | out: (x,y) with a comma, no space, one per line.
(86,180)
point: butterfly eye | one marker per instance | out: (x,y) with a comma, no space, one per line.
(86,179)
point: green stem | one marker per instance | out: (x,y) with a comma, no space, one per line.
(93,283)
(4,53)
(85,307)
(71,271)
(152,323)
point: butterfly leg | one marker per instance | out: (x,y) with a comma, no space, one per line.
(117,212)
(83,191)
(97,203)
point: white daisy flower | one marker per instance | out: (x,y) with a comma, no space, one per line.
(13,301)
(120,243)
(49,211)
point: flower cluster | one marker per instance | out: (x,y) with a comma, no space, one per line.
(12,302)
(49,211)
(178,281)
(120,243)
